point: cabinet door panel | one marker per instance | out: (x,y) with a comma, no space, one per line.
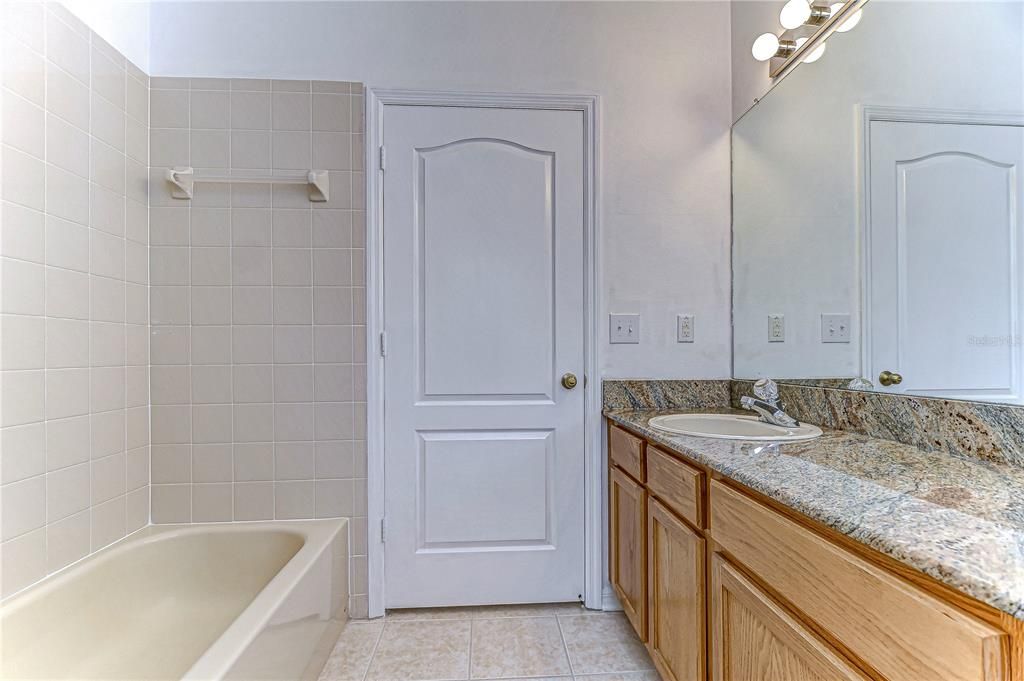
(675,583)
(628,513)
(754,639)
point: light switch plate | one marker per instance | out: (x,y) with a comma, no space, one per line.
(835,328)
(776,328)
(684,328)
(623,328)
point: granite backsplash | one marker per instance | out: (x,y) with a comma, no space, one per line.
(981,430)
(993,432)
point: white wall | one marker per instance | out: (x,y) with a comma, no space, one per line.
(122,23)
(795,165)
(661,70)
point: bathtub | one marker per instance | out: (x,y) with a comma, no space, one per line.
(215,601)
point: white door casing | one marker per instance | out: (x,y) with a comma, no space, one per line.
(486,243)
(943,247)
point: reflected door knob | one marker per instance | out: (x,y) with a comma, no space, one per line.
(889,378)
(569,381)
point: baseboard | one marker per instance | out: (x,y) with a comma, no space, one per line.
(609,601)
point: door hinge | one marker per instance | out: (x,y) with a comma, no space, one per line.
(383,344)
(381,157)
(383,529)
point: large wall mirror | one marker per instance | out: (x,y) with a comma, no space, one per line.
(878,208)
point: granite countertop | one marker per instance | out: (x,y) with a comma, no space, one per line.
(957,519)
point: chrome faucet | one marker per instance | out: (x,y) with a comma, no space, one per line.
(766,404)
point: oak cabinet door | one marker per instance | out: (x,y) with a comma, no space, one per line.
(627,503)
(754,639)
(675,582)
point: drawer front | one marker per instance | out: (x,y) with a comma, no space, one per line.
(627,452)
(676,484)
(899,630)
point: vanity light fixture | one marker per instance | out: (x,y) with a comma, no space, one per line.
(808,24)
(814,55)
(797,13)
(768,45)
(849,23)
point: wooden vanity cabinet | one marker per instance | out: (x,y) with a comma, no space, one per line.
(724,585)
(675,600)
(754,639)
(627,514)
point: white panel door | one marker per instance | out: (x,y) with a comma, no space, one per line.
(945,258)
(483,310)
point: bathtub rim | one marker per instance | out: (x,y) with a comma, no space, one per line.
(229,646)
(317,536)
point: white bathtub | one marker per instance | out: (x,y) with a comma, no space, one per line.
(216,601)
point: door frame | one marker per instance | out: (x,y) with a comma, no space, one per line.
(588,105)
(866,115)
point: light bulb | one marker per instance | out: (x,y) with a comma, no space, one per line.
(849,22)
(814,54)
(765,47)
(795,13)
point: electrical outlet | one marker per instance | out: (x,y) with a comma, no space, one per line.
(623,328)
(835,328)
(776,328)
(684,328)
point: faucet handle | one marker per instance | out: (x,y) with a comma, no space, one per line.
(767,390)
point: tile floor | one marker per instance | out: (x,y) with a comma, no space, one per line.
(540,642)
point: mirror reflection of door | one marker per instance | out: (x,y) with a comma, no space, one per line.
(943,270)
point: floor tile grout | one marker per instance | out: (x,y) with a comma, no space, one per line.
(565,646)
(373,653)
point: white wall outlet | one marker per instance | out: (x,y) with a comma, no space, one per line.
(835,328)
(623,328)
(684,328)
(776,328)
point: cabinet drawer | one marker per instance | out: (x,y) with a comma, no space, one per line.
(676,484)
(898,629)
(626,452)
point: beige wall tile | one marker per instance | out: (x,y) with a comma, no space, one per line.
(22,561)
(21,343)
(73,214)
(212,463)
(253,500)
(212,502)
(171,503)
(67,540)
(293,499)
(23,126)
(24,450)
(210,109)
(23,233)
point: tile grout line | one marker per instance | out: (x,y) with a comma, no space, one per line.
(469,657)
(373,653)
(565,645)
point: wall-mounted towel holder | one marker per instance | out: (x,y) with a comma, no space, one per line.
(182,180)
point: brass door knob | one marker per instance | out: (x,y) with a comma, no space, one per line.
(889,378)
(569,381)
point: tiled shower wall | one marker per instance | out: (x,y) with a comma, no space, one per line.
(258,300)
(74,444)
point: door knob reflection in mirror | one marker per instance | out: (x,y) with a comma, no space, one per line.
(889,378)
(569,381)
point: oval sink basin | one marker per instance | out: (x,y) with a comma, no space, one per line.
(732,427)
